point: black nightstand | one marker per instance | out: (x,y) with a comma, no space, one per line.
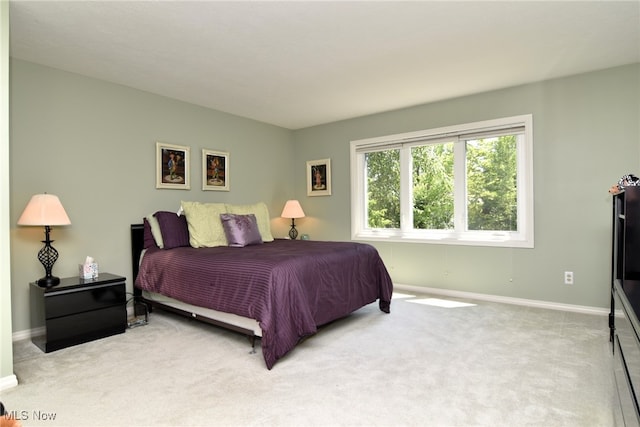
(78,310)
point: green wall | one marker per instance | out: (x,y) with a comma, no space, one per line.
(92,143)
(586,135)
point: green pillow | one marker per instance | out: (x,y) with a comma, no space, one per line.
(203,221)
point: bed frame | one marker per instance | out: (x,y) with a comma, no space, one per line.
(144,305)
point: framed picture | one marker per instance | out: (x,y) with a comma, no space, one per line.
(172,166)
(215,170)
(319,177)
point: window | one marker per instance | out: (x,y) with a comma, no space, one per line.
(469,184)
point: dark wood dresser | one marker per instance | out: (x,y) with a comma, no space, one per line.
(625,304)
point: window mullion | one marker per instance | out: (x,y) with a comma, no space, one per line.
(460,186)
(406,190)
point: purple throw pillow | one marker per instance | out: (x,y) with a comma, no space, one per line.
(174,229)
(241,230)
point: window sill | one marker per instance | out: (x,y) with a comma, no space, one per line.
(444,239)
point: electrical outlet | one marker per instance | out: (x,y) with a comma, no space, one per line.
(568,277)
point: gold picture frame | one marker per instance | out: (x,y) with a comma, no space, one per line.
(172,166)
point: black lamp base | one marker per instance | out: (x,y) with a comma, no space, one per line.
(293,233)
(48,256)
(48,281)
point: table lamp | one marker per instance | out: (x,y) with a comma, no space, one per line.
(293,210)
(45,210)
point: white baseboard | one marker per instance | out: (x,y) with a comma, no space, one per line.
(8,382)
(502,299)
(27,334)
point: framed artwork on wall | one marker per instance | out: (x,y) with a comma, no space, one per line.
(319,177)
(172,166)
(215,170)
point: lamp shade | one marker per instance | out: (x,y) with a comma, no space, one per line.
(292,209)
(44,209)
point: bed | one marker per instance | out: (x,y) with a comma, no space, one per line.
(280,291)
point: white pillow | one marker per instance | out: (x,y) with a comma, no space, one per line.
(203,221)
(261,213)
(155,230)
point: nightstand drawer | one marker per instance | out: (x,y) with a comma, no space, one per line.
(66,302)
(87,326)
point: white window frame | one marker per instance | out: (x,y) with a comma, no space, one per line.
(522,238)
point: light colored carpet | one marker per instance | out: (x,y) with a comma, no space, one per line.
(487,364)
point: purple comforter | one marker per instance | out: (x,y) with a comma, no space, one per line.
(289,287)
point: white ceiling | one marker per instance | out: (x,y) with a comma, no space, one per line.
(299,64)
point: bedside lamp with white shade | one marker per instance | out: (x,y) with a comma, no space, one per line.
(45,210)
(293,210)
